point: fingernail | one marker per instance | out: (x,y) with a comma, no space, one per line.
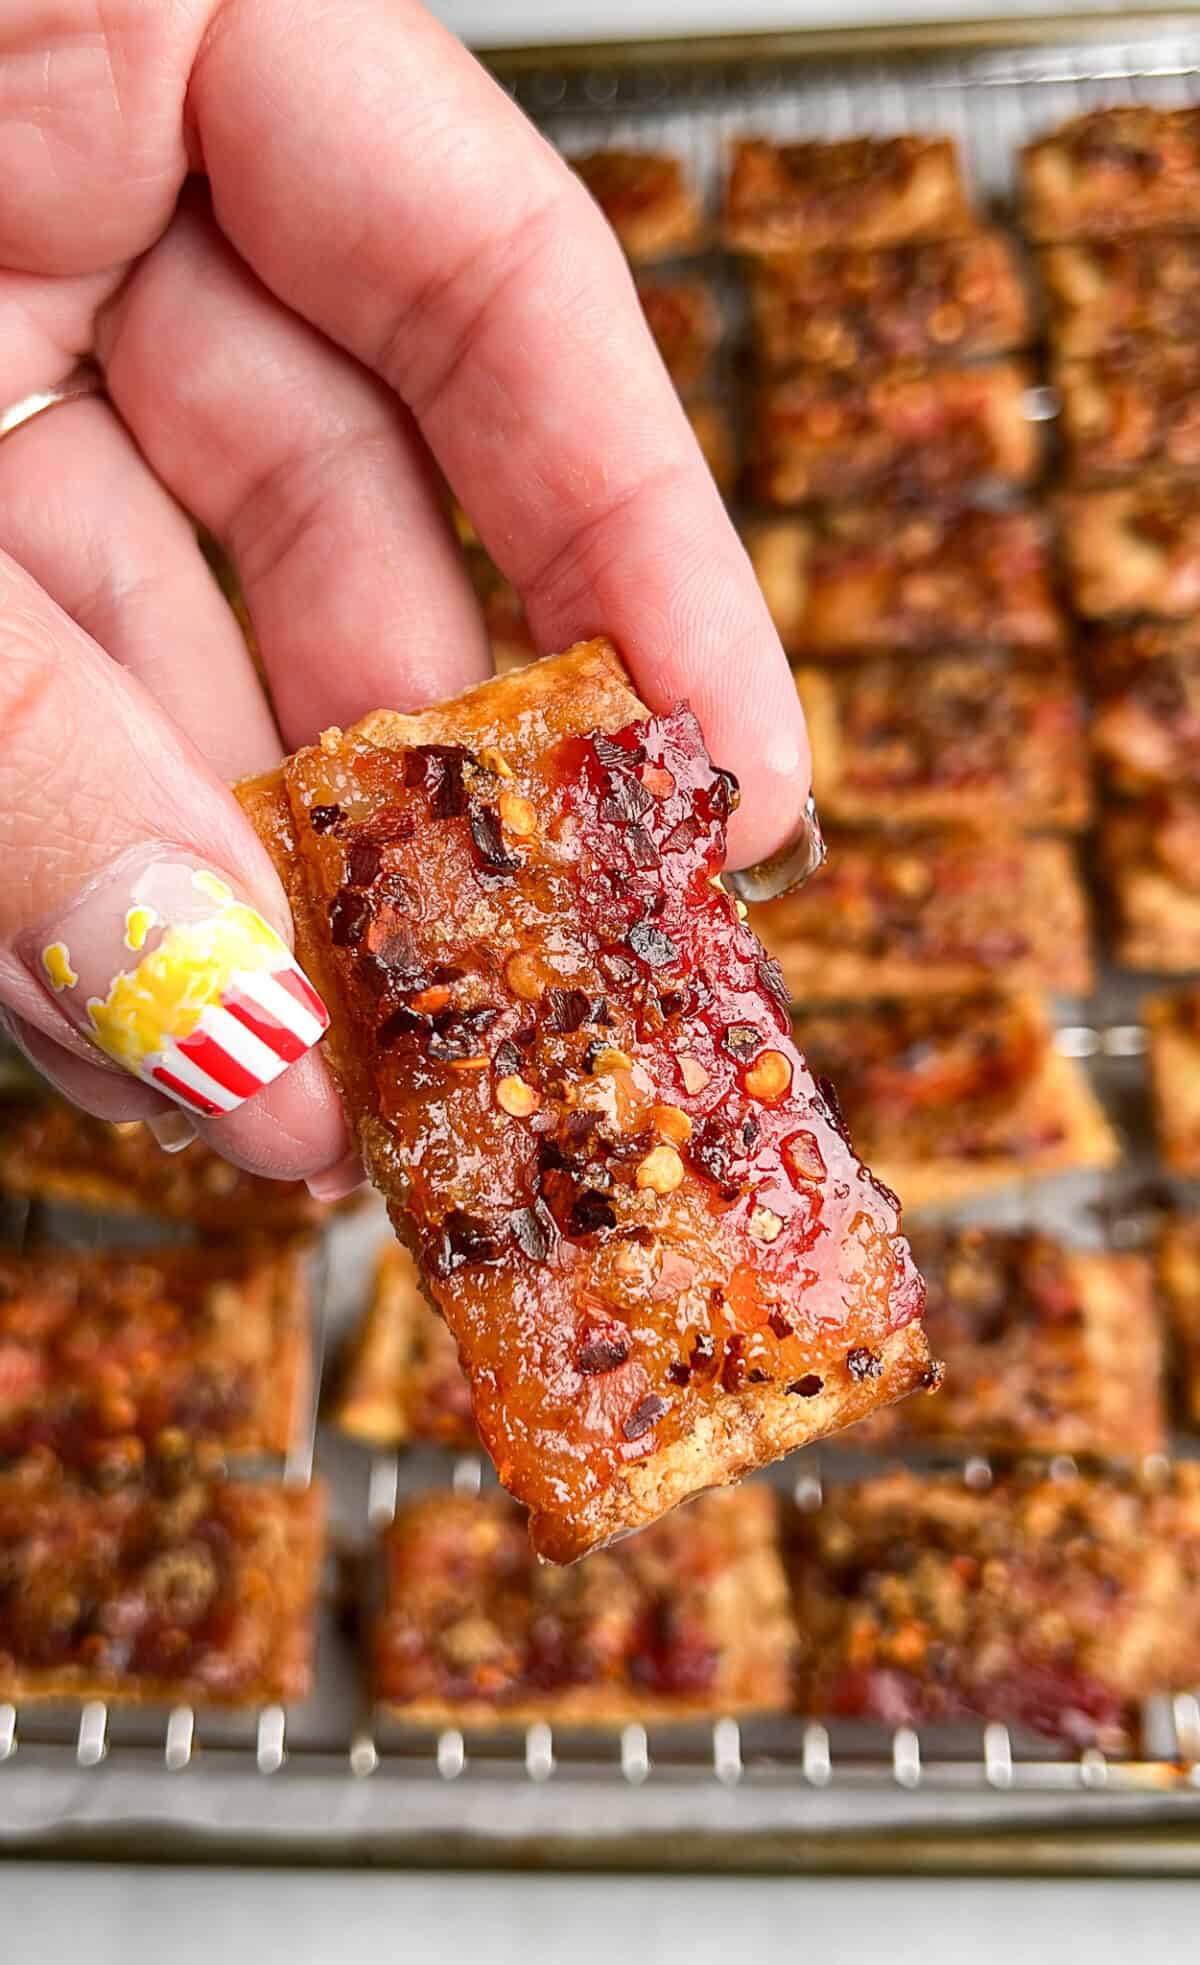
(804,855)
(179,981)
(172,1130)
(335,1183)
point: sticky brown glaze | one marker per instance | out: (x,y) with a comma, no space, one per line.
(1128,168)
(202,1594)
(689,1618)
(945,300)
(833,434)
(1057,1605)
(863,191)
(106,1359)
(570,1068)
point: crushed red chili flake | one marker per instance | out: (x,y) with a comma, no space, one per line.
(644,1416)
(438,770)
(533,1230)
(488,836)
(807,1387)
(603,1352)
(656,950)
(741,1040)
(323,818)
(863,1363)
(349,915)
(363,861)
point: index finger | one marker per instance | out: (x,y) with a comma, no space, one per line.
(432,232)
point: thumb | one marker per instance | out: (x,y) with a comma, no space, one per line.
(142,926)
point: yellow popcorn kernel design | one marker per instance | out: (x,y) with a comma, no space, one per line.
(138,923)
(188,972)
(212,887)
(56,961)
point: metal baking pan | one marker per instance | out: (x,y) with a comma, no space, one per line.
(321,1783)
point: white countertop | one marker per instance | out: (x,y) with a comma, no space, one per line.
(501,23)
(118,1916)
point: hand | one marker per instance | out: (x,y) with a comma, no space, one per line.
(377,263)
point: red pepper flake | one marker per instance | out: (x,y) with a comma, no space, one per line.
(438,771)
(533,1230)
(567,1009)
(682,836)
(808,1386)
(862,1363)
(742,1040)
(323,818)
(488,837)
(725,794)
(803,1159)
(733,1369)
(363,862)
(644,1416)
(603,1351)
(456,1034)
(349,914)
(464,1241)
(626,801)
(654,948)
(590,1211)
(614,756)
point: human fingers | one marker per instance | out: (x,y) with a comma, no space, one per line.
(311,473)
(141,924)
(447,247)
(80,510)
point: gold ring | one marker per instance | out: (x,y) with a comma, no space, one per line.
(84,380)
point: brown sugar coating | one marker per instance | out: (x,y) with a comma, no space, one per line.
(402,1380)
(953,1096)
(1150,858)
(107,1359)
(689,1618)
(1132,408)
(1057,1605)
(1047,1349)
(863,192)
(51,1151)
(929,910)
(569,1067)
(1173,1026)
(1133,549)
(942,301)
(1127,168)
(874,577)
(821,433)
(1146,727)
(1113,293)
(646,199)
(201,1594)
(985,734)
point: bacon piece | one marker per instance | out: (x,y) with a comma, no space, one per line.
(542,923)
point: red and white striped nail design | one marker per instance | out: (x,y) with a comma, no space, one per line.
(213,1008)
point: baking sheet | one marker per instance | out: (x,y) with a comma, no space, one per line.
(321,1781)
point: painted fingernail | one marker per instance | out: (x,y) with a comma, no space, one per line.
(172,1130)
(804,855)
(345,1177)
(179,981)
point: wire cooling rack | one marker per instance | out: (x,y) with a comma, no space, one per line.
(330,1780)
